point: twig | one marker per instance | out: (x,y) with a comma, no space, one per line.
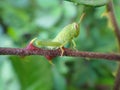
(113,20)
(57,52)
(117,32)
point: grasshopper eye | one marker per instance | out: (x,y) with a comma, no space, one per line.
(76,26)
(75,29)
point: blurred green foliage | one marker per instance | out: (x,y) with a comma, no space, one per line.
(22,20)
(90,2)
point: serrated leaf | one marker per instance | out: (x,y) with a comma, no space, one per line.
(90,2)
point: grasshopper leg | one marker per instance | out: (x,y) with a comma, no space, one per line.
(62,50)
(74,44)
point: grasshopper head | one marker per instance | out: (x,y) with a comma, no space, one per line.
(76,29)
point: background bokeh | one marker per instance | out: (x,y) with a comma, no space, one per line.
(22,20)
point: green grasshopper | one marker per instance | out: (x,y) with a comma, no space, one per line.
(66,36)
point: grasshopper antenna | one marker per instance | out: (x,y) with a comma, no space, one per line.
(81,18)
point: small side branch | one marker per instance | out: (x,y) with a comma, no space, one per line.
(114,21)
(57,52)
(117,32)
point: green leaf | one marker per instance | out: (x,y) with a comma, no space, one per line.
(34,73)
(91,2)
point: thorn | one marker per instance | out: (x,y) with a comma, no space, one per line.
(51,63)
(32,40)
(30,46)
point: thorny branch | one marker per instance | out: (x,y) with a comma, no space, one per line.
(57,52)
(68,52)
